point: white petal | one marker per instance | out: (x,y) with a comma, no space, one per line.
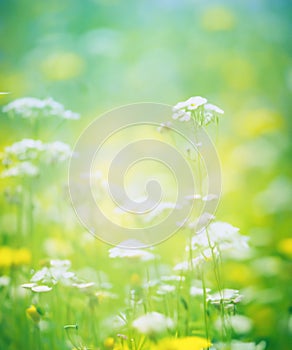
(41,289)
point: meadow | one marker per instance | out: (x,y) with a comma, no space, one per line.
(227,287)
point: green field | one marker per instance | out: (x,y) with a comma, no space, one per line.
(62,65)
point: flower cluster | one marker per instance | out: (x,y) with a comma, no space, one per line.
(33,108)
(44,279)
(153,323)
(221,235)
(23,158)
(197,109)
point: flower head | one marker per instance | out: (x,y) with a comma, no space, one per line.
(139,254)
(33,313)
(227,296)
(32,108)
(221,235)
(57,152)
(191,104)
(153,323)
(186,343)
(26,149)
(198,109)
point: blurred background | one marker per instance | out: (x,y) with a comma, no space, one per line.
(94,55)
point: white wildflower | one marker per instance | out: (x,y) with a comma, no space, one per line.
(153,323)
(241,324)
(182,266)
(32,108)
(41,289)
(173,278)
(139,254)
(4,281)
(83,285)
(26,149)
(222,235)
(190,104)
(195,262)
(57,152)
(25,169)
(28,285)
(165,289)
(182,115)
(227,296)
(55,273)
(239,345)
(198,291)
(213,108)
(195,102)
(198,109)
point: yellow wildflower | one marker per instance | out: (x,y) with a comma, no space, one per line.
(285,247)
(186,343)
(21,256)
(14,257)
(33,314)
(109,343)
(6,257)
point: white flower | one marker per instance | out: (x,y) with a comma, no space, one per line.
(83,285)
(41,289)
(28,285)
(227,296)
(222,235)
(165,289)
(26,149)
(196,107)
(198,291)
(153,323)
(182,266)
(238,345)
(190,104)
(21,155)
(21,169)
(203,257)
(173,278)
(241,324)
(182,115)
(138,254)
(213,108)
(4,281)
(57,152)
(32,108)
(56,272)
(195,102)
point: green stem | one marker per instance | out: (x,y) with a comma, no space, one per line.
(205,304)
(216,270)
